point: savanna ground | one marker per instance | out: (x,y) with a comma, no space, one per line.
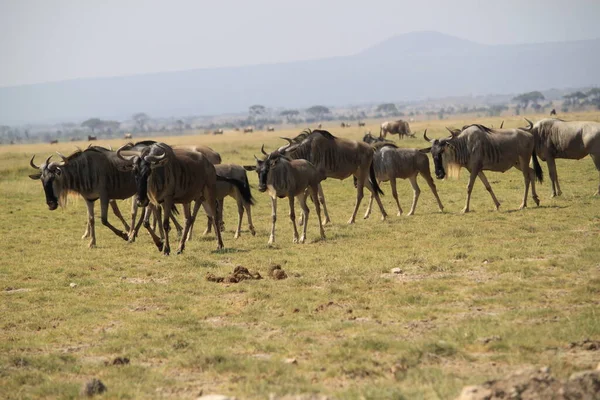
(479,296)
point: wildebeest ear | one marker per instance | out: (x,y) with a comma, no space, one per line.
(427,150)
(35,177)
(250,167)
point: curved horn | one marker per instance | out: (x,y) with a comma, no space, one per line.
(155,158)
(288,139)
(501,124)
(32,164)
(63,157)
(530,124)
(256,158)
(48,160)
(122,148)
(110,147)
(425,136)
(262,150)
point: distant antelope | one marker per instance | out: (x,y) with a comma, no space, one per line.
(90,138)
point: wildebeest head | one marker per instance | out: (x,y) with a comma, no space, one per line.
(142,163)
(264,167)
(438,147)
(48,173)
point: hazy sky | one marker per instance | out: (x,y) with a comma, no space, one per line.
(50,40)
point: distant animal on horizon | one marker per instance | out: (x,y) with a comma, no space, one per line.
(345,125)
(320,126)
(553,112)
(360,123)
(54,141)
(248,129)
(218,132)
(128,136)
(270,129)
(90,138)
(399,127)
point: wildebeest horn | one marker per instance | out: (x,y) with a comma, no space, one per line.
(110,147)
(501,124)
(425,136)
(123,148)
(153,158)
(32,164)
(452,132)
(288,139)
(48,159)
(63,157)
(256,158)
(530,124)
(262,150)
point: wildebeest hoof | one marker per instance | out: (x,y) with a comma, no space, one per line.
(92,245)
(271,241)
(179,251)
(302,239)
(166,251)
(295,240)
(124,235)
(85,236)
(350,221)
(465,210)
(252,231)
(366,216)
(160,246)
(410,214)
(399,213)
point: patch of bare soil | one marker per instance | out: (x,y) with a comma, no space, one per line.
(532,384)
(587,344)
(239,274)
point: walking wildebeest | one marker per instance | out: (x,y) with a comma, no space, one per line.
(270,129)
(248,129)
(128,136)
(555,138)
(337,158)
(553,112)
(360,123)
(478,148)
(241,193)
(284,177)
(90,138)
(218,132)
(55,141)
(94,174)
(399,127)
(392,162)
(345,125)
(167,176)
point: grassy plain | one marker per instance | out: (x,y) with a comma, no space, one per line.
(479,295)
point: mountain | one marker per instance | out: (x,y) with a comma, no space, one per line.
(413,66)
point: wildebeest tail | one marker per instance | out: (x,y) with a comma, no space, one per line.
(537,168)
(242,185)
(373,180)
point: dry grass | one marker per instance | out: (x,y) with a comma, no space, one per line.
(480,294)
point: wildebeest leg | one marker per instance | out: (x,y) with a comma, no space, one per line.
(240,208)
(178,226)
(209,223)
(470,189)
(313,193)
(212,210)
(429,180)
(166,208)
(534,195)
(91,224)
(189,217)
(483,179)
(395,195)
(293,217)
(367,184)
(368,212)
(553,176)
(151,211)
(273,219)
(136,229)
(321,197)
(117,212)
(523,165)
(305,211)
(104,219)
(360,183)
(158,222)
(248,208)
(416,193)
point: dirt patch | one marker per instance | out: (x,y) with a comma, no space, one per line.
(587,344)
(118,361)
(239,274)
(532,384)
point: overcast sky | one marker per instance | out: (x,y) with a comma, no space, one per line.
(50,40)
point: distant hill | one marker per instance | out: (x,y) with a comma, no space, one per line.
(407,67)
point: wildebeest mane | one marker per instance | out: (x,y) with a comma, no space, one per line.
(328,155)
(380,145)
(482,127)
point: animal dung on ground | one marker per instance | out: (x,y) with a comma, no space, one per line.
(119,361)
(239,274)
(276,272)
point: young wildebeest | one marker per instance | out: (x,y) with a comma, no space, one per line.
(241,194)
(94,174)
(284,177)
(392,162)
(171,176)
(478,148)
(555,138)
(337,158)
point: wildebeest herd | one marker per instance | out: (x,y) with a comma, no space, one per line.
(159,176)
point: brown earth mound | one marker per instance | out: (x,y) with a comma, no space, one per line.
(239,274)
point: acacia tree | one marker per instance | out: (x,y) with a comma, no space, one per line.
(93,124)
(318,111)
(141,119)
(289,114)
(179,124)
(387,108)
(530,97)
(256,110)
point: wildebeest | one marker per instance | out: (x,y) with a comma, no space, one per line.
(345,125)
(360,123)
(270,129)
(337,158)
(555,138)
(248,129)
(94,173)
(218,132)
(90,138)
(128,136)
(55,141)
(399,127)
(553,112)
(319,126)
(240,192)
(284,177)
(478,148)
(370,139)
(391,162)
(168,176)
